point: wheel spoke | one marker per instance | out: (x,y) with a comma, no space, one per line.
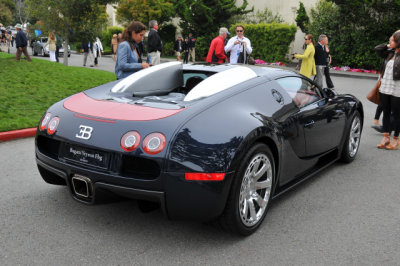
(245,210)
(261,202)
(263,184)
(261,172)
(252,210)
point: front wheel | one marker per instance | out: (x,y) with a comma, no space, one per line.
(251,192)
(352,142)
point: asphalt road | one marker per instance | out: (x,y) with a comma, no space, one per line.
(346,215)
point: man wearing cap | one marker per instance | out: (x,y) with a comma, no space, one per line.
(21,42)
(216,53)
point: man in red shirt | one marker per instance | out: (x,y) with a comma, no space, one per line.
(216,53)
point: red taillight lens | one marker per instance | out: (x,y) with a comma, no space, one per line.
(205,176)
(44,122)
(130,141)
(154,143)
(53,124)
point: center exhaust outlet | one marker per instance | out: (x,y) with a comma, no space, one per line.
(82,186)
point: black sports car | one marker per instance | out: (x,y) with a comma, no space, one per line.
(206,142)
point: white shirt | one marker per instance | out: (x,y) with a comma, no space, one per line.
(388,85)
(236,49)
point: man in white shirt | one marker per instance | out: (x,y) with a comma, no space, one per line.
(239,44)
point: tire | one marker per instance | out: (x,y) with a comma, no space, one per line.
(50,177)
(352,143)
(34,52)
(243,213)
(43,53)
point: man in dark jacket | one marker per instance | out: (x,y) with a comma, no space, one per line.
(178,48)
(322,59)
(154,44)
(21,43)
(192,47)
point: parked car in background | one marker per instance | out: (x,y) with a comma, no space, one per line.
(39,49)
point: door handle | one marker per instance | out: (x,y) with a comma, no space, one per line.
(309,124)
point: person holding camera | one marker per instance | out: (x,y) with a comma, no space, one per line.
(308,64)
(239,47)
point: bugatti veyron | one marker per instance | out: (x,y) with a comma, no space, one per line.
(205,142)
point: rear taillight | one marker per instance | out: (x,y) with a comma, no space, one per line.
(130,141)
(154,143)
(205,176)
(53,124)
(44,122)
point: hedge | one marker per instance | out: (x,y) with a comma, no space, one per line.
(270,42)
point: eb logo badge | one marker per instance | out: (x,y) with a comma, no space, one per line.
(85,132)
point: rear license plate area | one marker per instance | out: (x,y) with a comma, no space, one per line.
(82,155)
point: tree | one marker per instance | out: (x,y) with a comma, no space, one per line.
(80,19)
(7,8)
(20,11)
(355,28)
(302,19)
(144,11)
(205,17)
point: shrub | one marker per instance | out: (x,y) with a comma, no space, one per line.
(270,42)
(168,49)
(107,36)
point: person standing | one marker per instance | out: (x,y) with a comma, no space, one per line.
(178,48)
(389,91)
(21,42)
(86,48)
(186,50)
(322,61)
(154,43)
(114,45)
(52,43)
(308,62)
(239,47)
(97,50)
(8,41)
(129,57)
(192,47)
(216,52)
(58,46)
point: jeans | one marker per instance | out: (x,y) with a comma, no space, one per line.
(391,106)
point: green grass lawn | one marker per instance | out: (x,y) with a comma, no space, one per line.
(27,89)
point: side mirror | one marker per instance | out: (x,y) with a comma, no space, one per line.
(329,93)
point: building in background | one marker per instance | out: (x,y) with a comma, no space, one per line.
(112,16)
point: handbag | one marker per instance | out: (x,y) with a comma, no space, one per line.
(373,95)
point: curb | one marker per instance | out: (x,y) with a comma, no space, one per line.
(17,134)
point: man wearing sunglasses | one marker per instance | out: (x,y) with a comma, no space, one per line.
(239,47)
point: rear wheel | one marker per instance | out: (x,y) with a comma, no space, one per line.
(251,192)
(352,142)
(50,177)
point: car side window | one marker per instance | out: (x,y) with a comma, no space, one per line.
(300,90)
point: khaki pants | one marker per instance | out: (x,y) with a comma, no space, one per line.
(23,50)
(155,58)
(192,54)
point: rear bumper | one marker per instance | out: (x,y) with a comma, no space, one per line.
(178,198)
